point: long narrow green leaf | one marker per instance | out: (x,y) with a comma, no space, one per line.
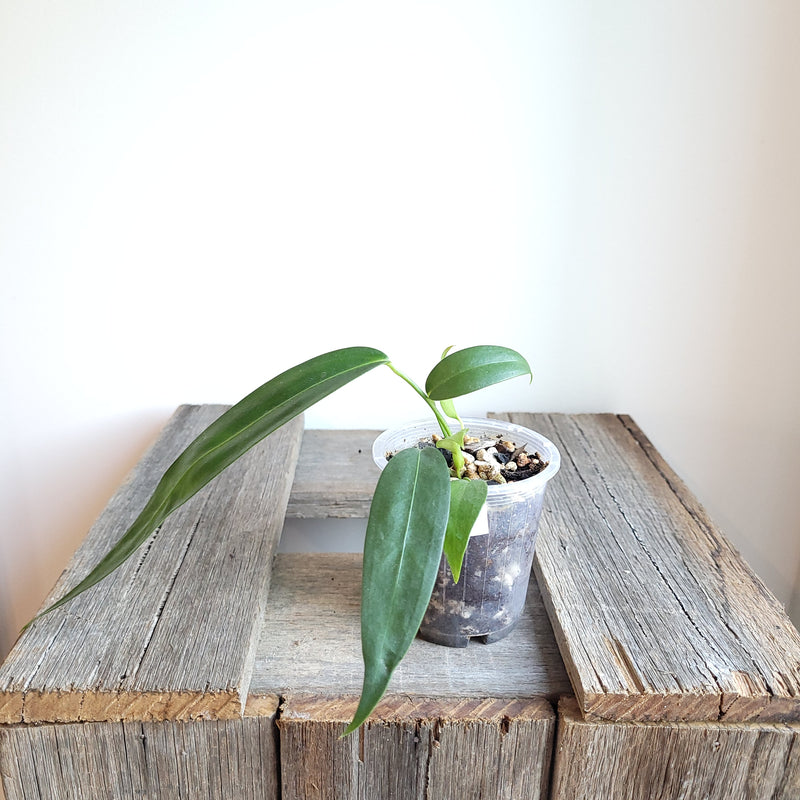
(466,501)
(236,431)
(402,551)
(474,368)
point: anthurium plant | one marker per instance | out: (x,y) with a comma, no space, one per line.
(421,508)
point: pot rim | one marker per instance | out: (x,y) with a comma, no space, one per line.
(420,428)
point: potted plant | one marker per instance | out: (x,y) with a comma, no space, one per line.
(423,511)
(482,580)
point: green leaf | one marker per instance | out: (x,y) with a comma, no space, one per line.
(455,443)
(402,551)
(236,431)
(449,408)
(466,501)
(474,368)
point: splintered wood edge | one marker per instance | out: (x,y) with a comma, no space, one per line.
(399,709)
(570,714)
(727,707)
(650,707)
(261,705)
(75,706)
(42,707)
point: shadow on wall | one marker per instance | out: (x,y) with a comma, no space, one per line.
(5,623)
(794,606)
(734,378)
(764,329)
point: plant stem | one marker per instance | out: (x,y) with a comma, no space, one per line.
(458,462)
(439,418)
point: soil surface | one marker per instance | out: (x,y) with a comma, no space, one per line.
(493,459)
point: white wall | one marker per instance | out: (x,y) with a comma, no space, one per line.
(194,196)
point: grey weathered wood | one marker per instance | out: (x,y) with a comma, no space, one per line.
(170,634)
(674,760)
(311,642)
(657,616)
(231,759)
(416,749)
(335,475)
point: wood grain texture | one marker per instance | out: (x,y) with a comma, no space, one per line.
(171,633)
(234,759)
(311,642)
(656,614)
(335,475)
(416,749)
(674,760)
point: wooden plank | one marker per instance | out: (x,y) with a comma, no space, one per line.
(229,759)
(169,635)
(674,760)
(416,749)
(656,614)
(335,475)
(311,642)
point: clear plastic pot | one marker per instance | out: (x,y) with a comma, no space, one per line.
(488,599)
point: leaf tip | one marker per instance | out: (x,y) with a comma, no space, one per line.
(351,728)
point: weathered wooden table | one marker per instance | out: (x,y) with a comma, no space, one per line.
(651,661)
